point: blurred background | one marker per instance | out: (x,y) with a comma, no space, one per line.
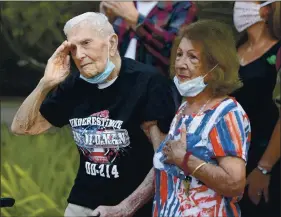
(39,171)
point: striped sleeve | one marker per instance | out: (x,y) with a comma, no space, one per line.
(231,135)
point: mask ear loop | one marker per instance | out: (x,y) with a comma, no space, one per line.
(211,70)
(267,3)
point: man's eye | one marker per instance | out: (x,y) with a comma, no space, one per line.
(179,54)
(85,42)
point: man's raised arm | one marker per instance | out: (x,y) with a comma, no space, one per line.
(28,119)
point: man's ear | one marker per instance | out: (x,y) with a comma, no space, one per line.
(113,42)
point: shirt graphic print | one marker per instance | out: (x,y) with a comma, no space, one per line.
(102,141)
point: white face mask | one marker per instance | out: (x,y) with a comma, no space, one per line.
(192,87)
(246,14)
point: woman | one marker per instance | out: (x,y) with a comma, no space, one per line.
(200,166)
(257,51)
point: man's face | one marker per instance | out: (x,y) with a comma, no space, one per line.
(89,50)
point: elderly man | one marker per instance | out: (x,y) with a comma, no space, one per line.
(105,105)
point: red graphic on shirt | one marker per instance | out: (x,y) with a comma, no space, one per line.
(98,155)
(99,138)
(102,114)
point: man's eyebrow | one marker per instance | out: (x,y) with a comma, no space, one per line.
(84,40)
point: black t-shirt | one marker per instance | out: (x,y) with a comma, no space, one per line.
(256,96)
(115,154)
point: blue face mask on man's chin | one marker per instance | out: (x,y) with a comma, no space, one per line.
(101,77)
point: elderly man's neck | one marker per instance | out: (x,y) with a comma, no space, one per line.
(117,62)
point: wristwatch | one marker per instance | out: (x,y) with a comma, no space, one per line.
(263,171)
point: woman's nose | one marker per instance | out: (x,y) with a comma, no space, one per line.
(182,63)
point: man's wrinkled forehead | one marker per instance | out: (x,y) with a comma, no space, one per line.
(84,31)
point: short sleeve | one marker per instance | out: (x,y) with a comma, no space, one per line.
(56,108)
(161,103)
(231,135)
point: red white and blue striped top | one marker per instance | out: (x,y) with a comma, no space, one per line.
(223,130)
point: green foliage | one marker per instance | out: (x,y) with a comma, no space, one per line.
(33,20)
(34,29)
(38,171)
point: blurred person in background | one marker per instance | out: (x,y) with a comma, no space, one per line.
(146,30)
(105,104)
(261,24)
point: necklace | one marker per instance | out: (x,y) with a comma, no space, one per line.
(199,111)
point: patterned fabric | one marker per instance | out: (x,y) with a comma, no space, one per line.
(156,32)
(223,130)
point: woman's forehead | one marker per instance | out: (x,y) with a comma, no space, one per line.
(187,44)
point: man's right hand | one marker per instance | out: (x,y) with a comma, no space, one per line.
(58,67)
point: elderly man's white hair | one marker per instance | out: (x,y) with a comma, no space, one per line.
(98,20)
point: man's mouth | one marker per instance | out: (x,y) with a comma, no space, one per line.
(85,65)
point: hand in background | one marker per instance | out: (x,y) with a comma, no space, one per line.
(126,10)
(258,185)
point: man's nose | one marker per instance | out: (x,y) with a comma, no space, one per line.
(79,54)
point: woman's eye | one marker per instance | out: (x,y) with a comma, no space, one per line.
(192,57)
